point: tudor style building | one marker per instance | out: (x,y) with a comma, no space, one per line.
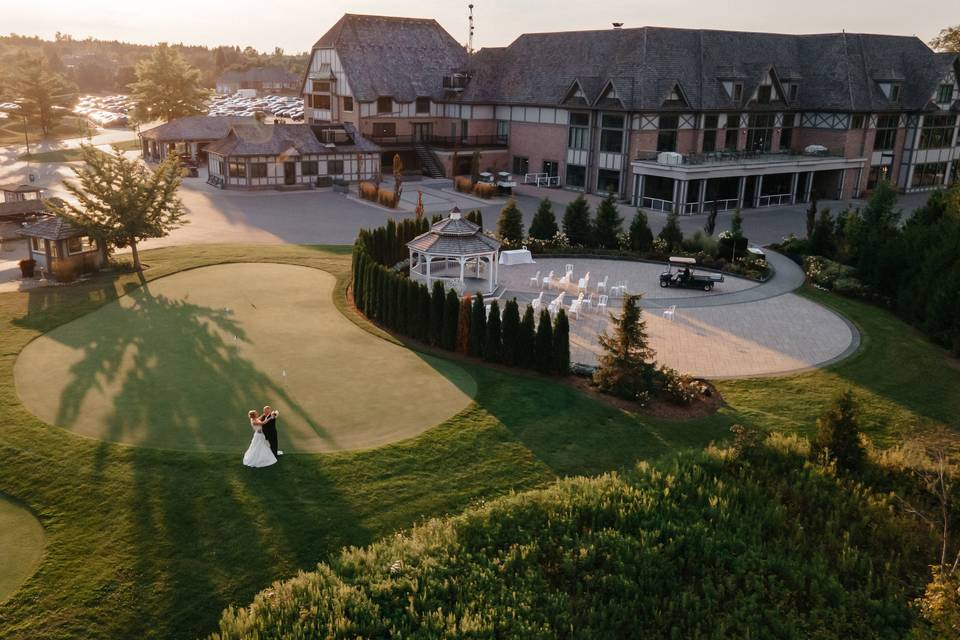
(667,118)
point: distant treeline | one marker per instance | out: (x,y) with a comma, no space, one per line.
(108,65)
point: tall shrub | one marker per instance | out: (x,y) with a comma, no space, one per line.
(608,224)
(641,237)
(671,233)
(510,332)
(576,222)
(526,337)
(437,299)
(451,316)
(426,308)
(543,345)
(464,313)
(626,367)
(838,434)
(478,325)
(492,346)
(510,224)
(561,344)
(544,224)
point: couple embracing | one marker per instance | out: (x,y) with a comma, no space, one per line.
(263,451)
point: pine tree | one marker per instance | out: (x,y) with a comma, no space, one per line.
(451,315)
(671,233)
(166,87)
(510,333)
(436,314)
(45,95)
(561,344)
(838,434)
(492,346)
(543,344)
(626,368)
(641,237)
(736,224)
(478,326)
(425,311)
(464,313)
(608,224)
(526,337)
(510,224)
(544,224)
(576,222)
(356,270)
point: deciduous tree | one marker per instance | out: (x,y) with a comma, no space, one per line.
(44,94)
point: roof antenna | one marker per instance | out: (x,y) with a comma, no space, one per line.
(470,36)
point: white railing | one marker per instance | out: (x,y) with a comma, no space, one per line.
(774,200)
(656,204)
(722,205)
(541,179)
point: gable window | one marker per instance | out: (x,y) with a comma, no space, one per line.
(763,94)
(667,136)
(423,105)
(710,124)
(320,102)
(579,136)
(896,93)
(886,135)
(334,167)
(321,86)
(384,105)
(347,103)
(737,91)
(611,134)
(945,94)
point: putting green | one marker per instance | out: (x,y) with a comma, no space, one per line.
(177,363)
(21,546)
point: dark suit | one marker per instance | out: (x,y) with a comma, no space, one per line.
(270,431)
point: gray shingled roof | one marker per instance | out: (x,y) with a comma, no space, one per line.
(21,208)
(13,187)
(834,71)
(195,128)
(260,139)
(52,228)
(404,58)
(454,236)
(259,74)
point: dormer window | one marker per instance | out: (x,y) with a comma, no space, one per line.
(737,92)
(945,94)
(384,105)
(794,91)
(321,86)
(674,96)
(896,93)
(763,94)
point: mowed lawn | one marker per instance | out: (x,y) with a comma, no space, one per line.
(154,543)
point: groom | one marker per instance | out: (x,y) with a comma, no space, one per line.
(269,426)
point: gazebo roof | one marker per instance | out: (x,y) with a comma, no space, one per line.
(454,236)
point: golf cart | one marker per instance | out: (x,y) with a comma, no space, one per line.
(681,272)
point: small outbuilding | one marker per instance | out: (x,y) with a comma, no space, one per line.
(450,250)
(188,136)
(62,249)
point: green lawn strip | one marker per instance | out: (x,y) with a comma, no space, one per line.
(73,154)
(21,546)
(154,544)
(907,385)
(11,130)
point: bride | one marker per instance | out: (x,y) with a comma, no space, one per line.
(258,453)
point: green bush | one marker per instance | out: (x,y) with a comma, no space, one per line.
(510,332)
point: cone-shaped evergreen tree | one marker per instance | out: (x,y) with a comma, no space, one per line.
(423,317)
(478,326)
(464,313)
(544,224)
(561,344)
(608,224)
(492,348)
(451,315)
(838,434)
(626,368)
(543,346)
(510,224)
(576,222)
(525,339)
(671,233)
(437,298)
(641,237)
(510,332)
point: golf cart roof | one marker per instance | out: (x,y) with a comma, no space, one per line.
(679,260)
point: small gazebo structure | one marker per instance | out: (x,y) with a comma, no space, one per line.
(450,251)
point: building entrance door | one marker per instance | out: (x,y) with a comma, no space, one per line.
(422,131)
(289,173)
(551,167)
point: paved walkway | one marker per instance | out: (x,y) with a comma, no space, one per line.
(740,329)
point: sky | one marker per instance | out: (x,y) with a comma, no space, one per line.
(296,25)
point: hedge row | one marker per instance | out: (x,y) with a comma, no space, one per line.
(441,318)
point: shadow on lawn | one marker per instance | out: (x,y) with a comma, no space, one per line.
(147,340)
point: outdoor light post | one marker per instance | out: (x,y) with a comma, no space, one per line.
(26,138)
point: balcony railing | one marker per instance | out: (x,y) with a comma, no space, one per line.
(441,142)
(736,157)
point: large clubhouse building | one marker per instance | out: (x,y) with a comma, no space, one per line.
(664,118)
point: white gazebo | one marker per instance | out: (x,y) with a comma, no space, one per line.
(455,252)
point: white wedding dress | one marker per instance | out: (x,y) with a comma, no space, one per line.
(258,453)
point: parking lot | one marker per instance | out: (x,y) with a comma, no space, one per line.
(238,104)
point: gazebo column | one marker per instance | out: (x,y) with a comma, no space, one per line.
(463,262)
(490,258)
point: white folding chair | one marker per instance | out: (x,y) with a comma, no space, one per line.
(536,303)
(576,305)
(535,280)
(602,302)
(670,312)
(557,303)
(568,268)
(603,284)
(589,302)
(547,281)
(583,283)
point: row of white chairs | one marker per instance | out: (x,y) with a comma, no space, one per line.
(550,281)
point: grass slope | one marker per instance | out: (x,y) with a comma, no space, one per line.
(72,154)
(21,546)
(11,130)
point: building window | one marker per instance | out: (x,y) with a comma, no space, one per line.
(886,132)
(521,165)
(258,169)
(347,103)
(794,91)
(759,132)
(384,105)
(930,174)
(945,94)
(83,244)
(37,244)
(576,176)
(737,92)
(320,102)
(309,167)
(937,132)
(335,167)
(710,124)
(896,92)
(763,94)
(321,86)
(385,129)
(608,181)
(856,122)
(579,137)
(423,105)
(238,169)
(786,133)
(611,134)
(503,129)
(667,136)
(877,173)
